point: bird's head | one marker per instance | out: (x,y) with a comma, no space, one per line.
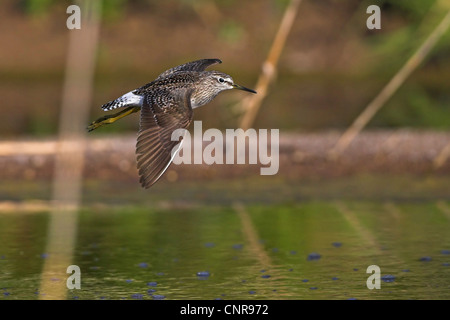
(211,84)
(222,81)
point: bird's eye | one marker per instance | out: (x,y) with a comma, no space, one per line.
(221,80)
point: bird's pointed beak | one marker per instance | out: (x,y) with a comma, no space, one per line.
(236,86)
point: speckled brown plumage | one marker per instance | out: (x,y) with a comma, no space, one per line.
(166,105)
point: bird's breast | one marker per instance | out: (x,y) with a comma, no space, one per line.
(194,103)
(201,97)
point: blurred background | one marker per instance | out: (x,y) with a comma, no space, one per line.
(394,175)
(330,68)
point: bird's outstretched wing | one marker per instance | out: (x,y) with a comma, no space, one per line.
(161,114)
(198,65)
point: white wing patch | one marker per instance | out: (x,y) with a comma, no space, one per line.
(127,100)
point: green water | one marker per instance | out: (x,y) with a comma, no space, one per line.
(250,251)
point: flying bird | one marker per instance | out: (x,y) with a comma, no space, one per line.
(166,105)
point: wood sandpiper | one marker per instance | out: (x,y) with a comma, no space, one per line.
(166,105)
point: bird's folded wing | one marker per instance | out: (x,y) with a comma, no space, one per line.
(161,114)
(198,65)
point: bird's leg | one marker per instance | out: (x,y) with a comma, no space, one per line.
(112,118)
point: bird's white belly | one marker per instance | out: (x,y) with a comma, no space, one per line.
(195,104)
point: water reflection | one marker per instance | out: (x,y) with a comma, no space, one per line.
(307,251)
